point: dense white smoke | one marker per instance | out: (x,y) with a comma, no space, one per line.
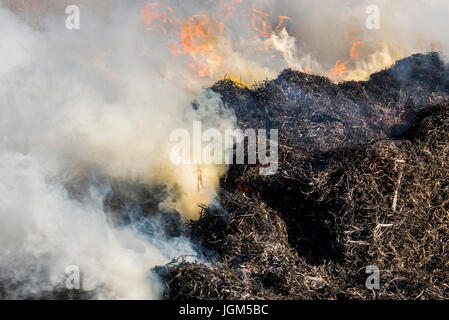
(43,231)
(86,103)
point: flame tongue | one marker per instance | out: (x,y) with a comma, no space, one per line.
(198,38)
(337,72)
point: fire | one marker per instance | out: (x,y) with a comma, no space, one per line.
(198,39)
(206,44)
(262,27)
(341,68)
(152,18)
(354,53)
(259,23)
(205,38)
(338,70)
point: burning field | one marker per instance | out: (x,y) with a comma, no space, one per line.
(92,205)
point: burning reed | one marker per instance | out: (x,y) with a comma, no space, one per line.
(353,190)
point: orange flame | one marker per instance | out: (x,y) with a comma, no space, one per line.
(152,18)
(197,39)
(338,70)
(202,37)
(353,53)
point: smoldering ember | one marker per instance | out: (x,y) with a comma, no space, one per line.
(349,107)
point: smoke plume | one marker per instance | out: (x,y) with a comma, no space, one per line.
(90,104)
(99,104)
